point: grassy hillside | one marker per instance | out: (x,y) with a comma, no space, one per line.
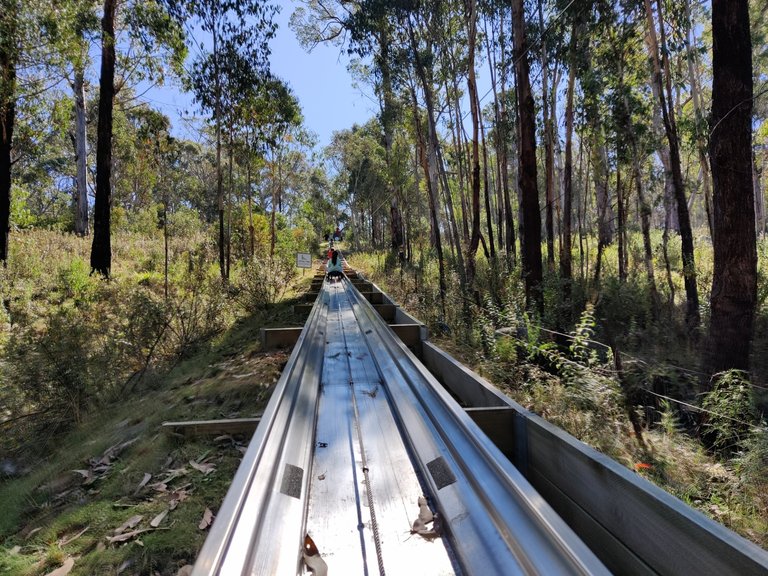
(91,369)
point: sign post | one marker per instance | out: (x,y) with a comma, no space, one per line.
(303,260)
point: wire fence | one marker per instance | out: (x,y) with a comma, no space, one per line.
(615,373)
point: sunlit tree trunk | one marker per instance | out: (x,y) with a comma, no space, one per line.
(436,168)
(700,135)
(431,183)
(81,158)
(549,160)
(249,193)
(488,198)
(620,213)
(457,133)
(566,271)
(759,199)
(667,113)
(219,173)
(474,104)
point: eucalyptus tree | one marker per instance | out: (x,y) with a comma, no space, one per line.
(661,79)
(151,26)
(236,60)
(470,8)
(262,118)
(595,72)
(366,28)
(359,160)
(21,51)
(101,248)
(267,113)
(496,39)
(531,216)
(734,281)
(76,25)
(576,26)
(9,57)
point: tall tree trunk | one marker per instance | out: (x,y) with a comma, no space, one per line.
(600,175)
(229,204)
(81,158)
(457,132)
(667,114)
(620,213)
(272,219)
(8,62)
(219,173)
(734,281)
(645,223)
(582,210)
(436,168)
(474,104)
(7,118)
(431,183)
(509,219)
(249,191)
(488,197)
(549,160)
(386,99)
(101,249)
(490,39)
(700,135)
(165,248)
(566,271)
(527,164)
(759,198)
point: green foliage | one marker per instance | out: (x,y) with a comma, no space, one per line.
(197,311)
(144,221)
(732,413)
(21,215)
(263,283)
(581,347)
(72,342)
(76,282)
(54,367)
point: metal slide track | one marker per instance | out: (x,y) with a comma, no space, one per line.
(356,436)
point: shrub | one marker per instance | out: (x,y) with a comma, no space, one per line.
(257,286)
(62,365)
(75,281)
(731,412)
(197,311)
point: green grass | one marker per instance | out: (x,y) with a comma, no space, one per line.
(201,388)
(43,512)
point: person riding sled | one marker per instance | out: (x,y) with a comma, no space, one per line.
(334,267)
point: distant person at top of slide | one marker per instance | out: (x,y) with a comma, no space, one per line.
(334,267)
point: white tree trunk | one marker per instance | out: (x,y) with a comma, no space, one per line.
(81,158)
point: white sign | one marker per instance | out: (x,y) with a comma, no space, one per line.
(303,260)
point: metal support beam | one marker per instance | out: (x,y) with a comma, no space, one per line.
(279,337)
(194,428)
(410,334)
(386,311)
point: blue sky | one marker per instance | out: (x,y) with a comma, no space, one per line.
(319,79)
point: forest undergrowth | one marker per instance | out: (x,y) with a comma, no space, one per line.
(89,482)
(612,371)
